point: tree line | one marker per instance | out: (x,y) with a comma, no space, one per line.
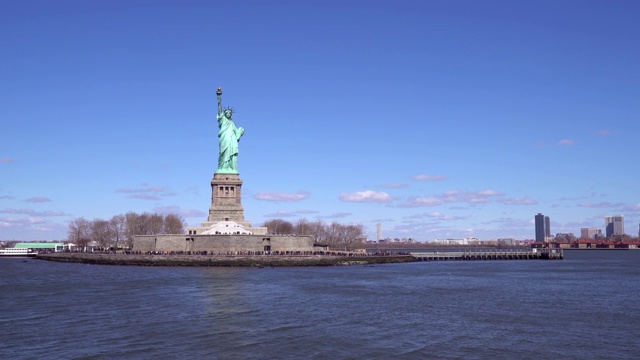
(120,229)
(336,235)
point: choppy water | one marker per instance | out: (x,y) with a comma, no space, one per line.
(583,307)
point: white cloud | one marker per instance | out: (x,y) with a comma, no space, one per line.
(367,196)
(566,142)
(287,197)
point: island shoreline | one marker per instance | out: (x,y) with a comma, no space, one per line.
(223,260)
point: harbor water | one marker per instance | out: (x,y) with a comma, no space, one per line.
(582,307)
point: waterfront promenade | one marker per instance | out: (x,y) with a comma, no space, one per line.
(498,254)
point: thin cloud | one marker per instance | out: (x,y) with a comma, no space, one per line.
(429,177)
(7,197)
(604,132)
(517,201)
(565,198)
(38,199)
(511,223)
(6,160)
(635,207)
(287,197)
(566,142)
(395,186)
(304,211)
(32,212)
(335,216)
(166,210)
(600,205)
(280,214)
(453,196)
(435,215)
(367,196)
(283,213)
(147,192)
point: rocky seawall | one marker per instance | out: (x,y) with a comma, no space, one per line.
(223,260)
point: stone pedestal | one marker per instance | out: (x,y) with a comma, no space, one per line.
(226,199)
(226,205)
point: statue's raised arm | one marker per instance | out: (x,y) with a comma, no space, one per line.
(219,93)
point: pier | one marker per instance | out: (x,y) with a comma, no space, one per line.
(499,254)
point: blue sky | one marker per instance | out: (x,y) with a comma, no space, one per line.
(437,119)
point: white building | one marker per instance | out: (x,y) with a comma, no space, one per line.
(590,233)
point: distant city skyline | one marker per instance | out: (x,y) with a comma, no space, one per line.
(435,119)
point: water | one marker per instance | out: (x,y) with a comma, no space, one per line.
(583,307)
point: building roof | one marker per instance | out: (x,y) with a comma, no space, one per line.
(43,245)
(226,227)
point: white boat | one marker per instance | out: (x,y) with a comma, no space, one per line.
(17,252)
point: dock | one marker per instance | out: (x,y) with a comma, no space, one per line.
(498,254)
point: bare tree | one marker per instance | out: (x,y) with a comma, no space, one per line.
(155,223)
(119,225)
(318,231)
(102,232)
(173,224)
(353,236)
(132,227)
(79,232)
(332,234)
(302,227)
(278,227)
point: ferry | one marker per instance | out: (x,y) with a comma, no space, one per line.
(17,252)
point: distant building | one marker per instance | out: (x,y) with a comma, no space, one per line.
(590,233)
(451,241)
(40,246)
(565,237)
(378,232)
(547,226)
(614,225)
(507,241)
(540,228)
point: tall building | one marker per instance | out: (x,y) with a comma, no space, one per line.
(614,225)
(547,226)
(590,233)
(540,231)
(379,232)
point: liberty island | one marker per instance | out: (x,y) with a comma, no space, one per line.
(226,238)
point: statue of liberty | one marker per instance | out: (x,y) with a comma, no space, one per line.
(229,136)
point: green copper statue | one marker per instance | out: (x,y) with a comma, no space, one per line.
(229,136)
